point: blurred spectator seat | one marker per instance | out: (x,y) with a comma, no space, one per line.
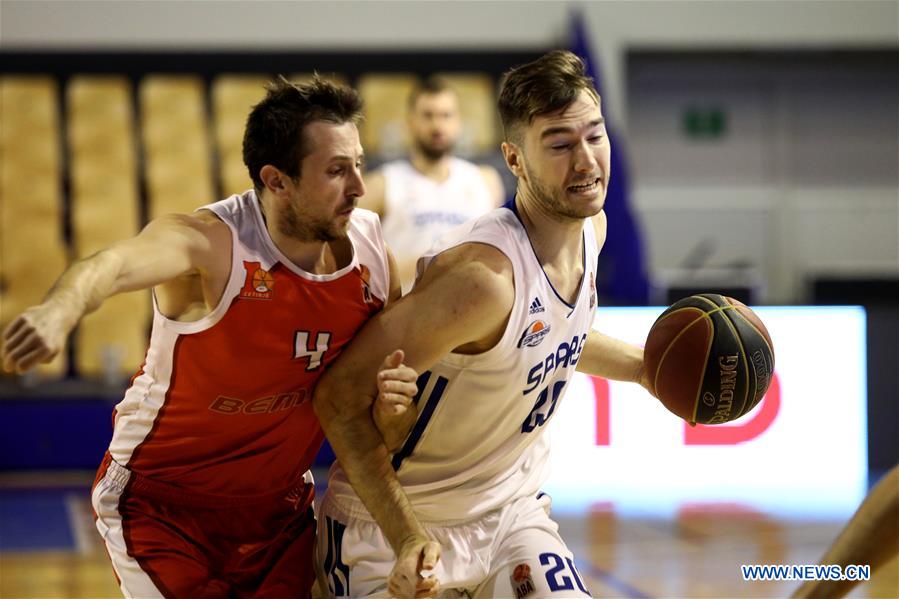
(386,95)
(233,96)
(32,246)
(477,105)
(104,208)
(177,160)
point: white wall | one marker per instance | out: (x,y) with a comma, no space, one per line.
(473,24)
(802,182)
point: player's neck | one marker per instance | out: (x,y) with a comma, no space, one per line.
(313,256)
(436,170)
(555,240)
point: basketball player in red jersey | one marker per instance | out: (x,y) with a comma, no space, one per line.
(205,490)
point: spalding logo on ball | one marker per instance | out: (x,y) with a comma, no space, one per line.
(709,359)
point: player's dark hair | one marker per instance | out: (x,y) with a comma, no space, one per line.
(543,86)
(275,128)
(429,86)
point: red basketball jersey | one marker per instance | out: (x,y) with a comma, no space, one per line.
(223,405)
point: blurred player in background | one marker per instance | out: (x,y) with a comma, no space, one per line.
(498,322)
(205,489)
(433,191)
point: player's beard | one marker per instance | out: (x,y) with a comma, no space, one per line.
(305,227)
(550,199)
(433,152)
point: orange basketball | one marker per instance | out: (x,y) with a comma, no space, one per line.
(709,359)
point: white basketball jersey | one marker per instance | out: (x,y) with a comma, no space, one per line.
(418,210)
(480,439)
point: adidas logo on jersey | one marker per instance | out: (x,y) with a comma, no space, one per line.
(536,306)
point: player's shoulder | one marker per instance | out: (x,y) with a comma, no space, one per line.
(500,222)
(600,226)
(204,222)
(391,168)
(366,223)
(484,176)
(484,170)
(487,171)
(201,234)
(367,238)
(364,217)
(474,271)
(469,167)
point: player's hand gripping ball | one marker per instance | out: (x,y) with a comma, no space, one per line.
(709,359)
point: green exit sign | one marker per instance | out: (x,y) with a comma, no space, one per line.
(704,122)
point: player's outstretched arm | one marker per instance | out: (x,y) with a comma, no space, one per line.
(393,410)
(870,538)
(606,356)
(167,247)
(612,359)
(463,298)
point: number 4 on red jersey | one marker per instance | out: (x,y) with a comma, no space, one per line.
(316,353)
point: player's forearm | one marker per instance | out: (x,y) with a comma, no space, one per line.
(84,286)
(362,454)
(611,358)
(395,429)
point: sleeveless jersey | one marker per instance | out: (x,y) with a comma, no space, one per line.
(480,438)
(223,405)
(418,210)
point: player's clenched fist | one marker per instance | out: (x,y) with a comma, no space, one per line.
(35,336)
(418,554)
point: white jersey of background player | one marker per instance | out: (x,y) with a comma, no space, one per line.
(421,198)
(497,324)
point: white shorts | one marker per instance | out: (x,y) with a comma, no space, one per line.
(513,552)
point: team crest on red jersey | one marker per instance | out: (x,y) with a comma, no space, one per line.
(259,284)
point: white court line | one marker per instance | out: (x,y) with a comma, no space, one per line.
(81,523)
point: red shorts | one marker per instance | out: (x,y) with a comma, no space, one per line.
(166,541)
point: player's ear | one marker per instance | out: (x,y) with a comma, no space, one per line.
(512,155)
(273,179)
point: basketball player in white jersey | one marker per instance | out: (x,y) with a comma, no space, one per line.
(433,191)
(498,322)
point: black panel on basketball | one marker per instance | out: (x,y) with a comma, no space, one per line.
(709,358)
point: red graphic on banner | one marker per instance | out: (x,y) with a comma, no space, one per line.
(603,426)
(721,434)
